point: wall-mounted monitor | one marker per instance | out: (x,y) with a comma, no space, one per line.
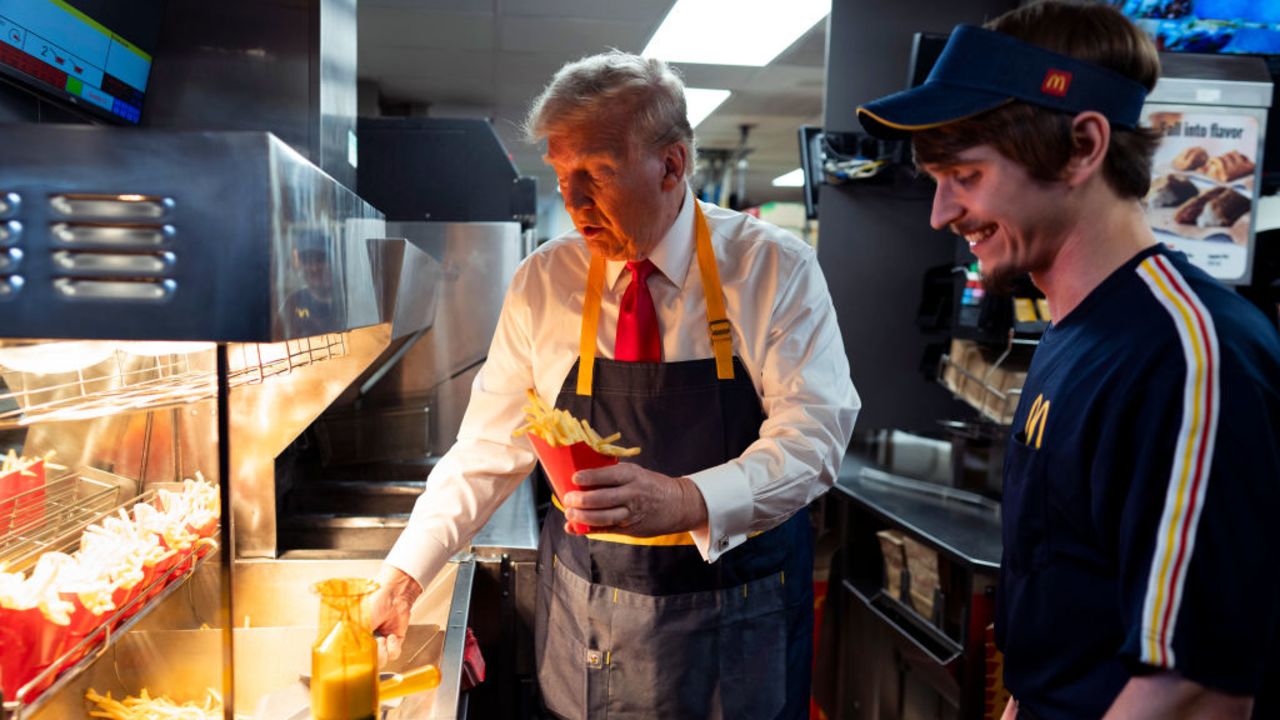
(811,159)
(1241,27)
(69,51)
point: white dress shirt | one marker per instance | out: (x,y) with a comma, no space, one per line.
(784,331)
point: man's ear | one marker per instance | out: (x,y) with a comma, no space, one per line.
(675,160)
(1090,140)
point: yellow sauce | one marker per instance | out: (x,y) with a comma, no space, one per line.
(345,693)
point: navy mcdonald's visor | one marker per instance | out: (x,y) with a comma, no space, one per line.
(981,70)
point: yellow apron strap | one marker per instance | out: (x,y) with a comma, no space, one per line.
(717,318)
(590,320)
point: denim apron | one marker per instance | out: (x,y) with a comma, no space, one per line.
(644,627)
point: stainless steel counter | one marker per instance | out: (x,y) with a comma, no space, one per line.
(513,526)
(173,653)
(961,524)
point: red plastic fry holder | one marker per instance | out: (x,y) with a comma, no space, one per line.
(562,461)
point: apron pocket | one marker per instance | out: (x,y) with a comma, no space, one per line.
(572,677)
(663,660)
(753,657)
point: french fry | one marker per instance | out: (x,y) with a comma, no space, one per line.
(145,707)
(12,462)
(559,428)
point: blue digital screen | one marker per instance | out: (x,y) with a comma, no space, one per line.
(1249,27)
(57,47)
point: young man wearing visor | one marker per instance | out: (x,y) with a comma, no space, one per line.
(1142,480)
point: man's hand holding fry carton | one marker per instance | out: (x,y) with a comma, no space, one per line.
(598,493)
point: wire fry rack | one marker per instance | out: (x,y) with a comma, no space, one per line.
(987,390)
(50,518)
(127,382)
(69,505)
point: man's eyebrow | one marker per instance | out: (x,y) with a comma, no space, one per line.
(948,164)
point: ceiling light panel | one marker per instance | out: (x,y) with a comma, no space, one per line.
(795,178)
(702,102)
(733,32)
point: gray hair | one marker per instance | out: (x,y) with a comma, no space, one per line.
(587,89)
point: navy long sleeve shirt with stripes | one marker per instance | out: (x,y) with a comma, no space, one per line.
(1142,496)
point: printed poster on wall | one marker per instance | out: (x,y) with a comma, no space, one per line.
(1202,187)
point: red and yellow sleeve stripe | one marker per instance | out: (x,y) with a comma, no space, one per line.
(1193,458)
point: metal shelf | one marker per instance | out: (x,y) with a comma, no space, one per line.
(126,382)
(51,517)
(96,643)
(995,404)
(60,531)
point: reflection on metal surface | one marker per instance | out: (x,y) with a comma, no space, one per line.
(10,286)
(130,235)
(411,297)
(270,248)
(444,702)
(115,289)
(10,232)
(9,202)
(10,260)
(147,264)
(150,446)
(477,261)
(266,417)
(123,207)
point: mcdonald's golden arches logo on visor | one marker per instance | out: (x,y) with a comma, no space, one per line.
(1056,83)
(1033,431)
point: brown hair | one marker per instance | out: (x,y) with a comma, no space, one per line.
(1040,139)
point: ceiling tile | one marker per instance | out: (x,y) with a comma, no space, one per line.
(492,57)
(469,7)
(808,51)
(646,11)
(571,37)
(412,27)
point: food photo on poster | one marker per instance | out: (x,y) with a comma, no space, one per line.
(1203,181)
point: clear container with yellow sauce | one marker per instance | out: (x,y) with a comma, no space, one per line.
(344,658)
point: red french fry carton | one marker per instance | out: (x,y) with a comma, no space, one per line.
(562,461)
(84,622)
(29,643)
(154,573)
(28,509)
(206,530)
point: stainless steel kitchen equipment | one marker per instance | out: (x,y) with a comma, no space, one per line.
(282,290)
(449,187)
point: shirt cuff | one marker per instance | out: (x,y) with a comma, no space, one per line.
(419,556)
(727,493)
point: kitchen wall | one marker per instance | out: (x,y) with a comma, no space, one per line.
(874,241)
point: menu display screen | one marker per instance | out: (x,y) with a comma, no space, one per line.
(1250,27)
(73,56)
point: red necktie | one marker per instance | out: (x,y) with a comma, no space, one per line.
(638,338)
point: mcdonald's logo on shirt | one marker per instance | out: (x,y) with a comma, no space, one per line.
(1033,431)
(1056,82)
